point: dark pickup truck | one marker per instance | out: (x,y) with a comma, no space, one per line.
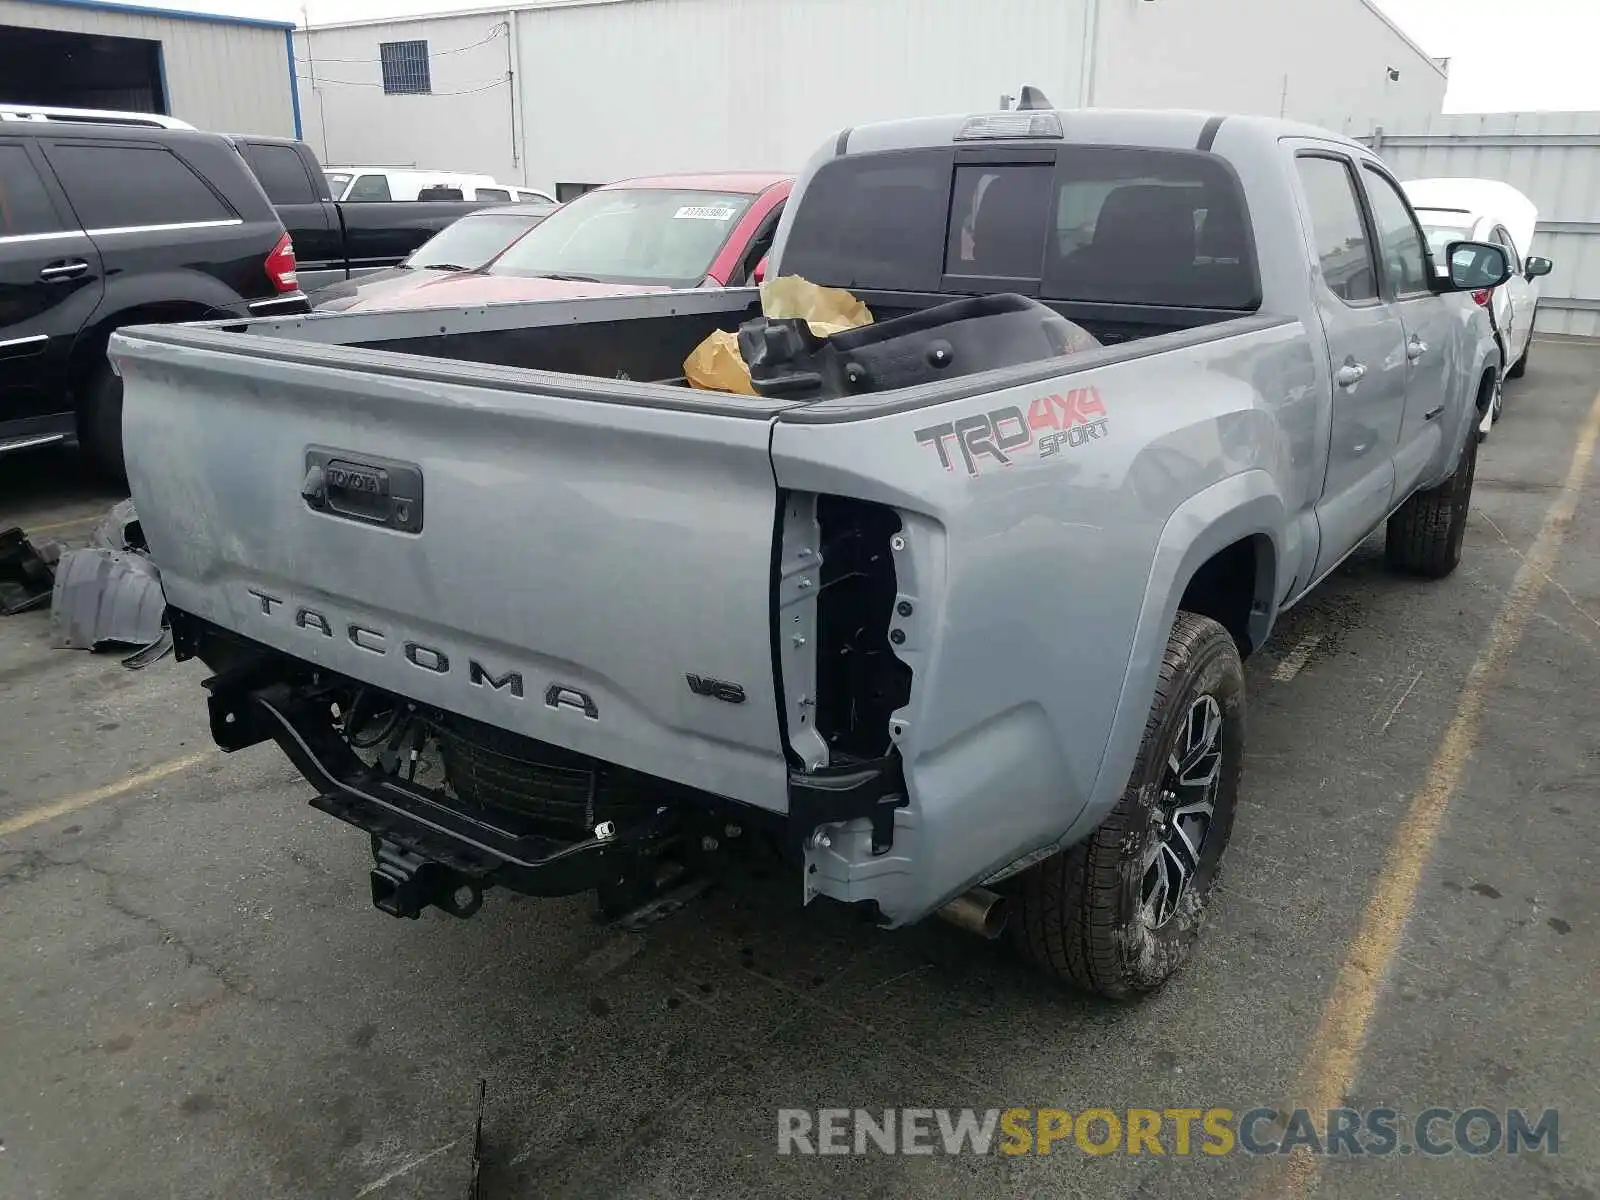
(333,241)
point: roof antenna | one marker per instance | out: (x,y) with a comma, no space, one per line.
(1032,97)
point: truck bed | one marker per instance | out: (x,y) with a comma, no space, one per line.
(640,338)
(691,585)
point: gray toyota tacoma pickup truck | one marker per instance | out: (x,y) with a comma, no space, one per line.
(533,613)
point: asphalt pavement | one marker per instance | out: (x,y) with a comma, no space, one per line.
(197,998)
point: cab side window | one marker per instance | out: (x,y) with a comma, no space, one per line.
(1339,235)
(1403,249)
(117,186)
(24,205)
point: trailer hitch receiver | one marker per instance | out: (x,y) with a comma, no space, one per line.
(405,883)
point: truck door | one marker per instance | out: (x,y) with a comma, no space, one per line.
(1366,353)
(1427,319)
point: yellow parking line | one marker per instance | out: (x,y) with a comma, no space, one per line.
(1329,1069)
(57,808)
(87,519)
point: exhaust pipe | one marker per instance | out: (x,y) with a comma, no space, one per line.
(979,911)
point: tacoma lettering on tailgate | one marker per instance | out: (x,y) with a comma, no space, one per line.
(422,656)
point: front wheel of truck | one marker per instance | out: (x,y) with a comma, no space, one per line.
(1425,534)
(1119,913)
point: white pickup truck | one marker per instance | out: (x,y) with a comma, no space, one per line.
(962,637)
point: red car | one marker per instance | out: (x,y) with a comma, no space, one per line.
(657,234)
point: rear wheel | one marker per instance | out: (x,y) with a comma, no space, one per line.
(1119,913)
(100,420)
(1424,536)
(1491,414)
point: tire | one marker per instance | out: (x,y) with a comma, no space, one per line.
(100,421)
(1425,534)
(1097,915)
(1521,369)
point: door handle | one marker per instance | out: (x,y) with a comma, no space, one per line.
(1416,348)
(70,269)
(1350,374)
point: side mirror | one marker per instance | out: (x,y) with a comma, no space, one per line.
(1534,266)
(760,273)
(1475,266)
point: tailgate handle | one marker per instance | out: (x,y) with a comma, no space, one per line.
(372,491)
(315,488)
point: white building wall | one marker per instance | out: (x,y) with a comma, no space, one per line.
(674,85)
(465,125)
(228,77)
(609,88)
(1296,58)
(586,91)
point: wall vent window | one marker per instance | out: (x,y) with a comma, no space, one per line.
(405,68)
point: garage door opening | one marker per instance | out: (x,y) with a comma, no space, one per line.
(80,70)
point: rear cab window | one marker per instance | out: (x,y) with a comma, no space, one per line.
(281,173)
(122,186)
(1090,224)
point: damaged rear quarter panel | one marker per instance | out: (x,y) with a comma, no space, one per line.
(1048,581)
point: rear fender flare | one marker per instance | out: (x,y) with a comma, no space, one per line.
(149,299)
(1242,506)
(176,287)
(1481,381)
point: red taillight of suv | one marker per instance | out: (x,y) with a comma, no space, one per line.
(1481,297)
(281,266)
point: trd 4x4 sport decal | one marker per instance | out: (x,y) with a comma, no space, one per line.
(1060,422)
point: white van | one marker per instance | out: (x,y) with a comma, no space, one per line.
(394,183)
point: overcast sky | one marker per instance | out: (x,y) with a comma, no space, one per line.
(1506,55)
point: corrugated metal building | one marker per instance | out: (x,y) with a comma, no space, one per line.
(1553,158)
(554,92)
(224,73)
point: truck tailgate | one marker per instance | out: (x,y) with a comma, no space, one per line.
(577,561)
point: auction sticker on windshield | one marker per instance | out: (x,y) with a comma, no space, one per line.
(705,212)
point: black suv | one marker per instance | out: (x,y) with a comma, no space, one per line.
(107,220)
